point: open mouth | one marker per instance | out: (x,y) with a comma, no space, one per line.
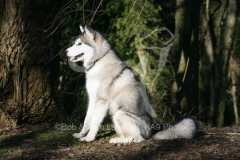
(76,57)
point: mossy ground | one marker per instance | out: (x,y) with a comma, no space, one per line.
(43,141)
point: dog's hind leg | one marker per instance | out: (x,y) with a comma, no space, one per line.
(126,128)
(99,112)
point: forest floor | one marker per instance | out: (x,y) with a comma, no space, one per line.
(45,141)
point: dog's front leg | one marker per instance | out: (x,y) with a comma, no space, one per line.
(87,121)
(99,113)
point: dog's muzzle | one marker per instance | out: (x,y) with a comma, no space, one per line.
(76,57)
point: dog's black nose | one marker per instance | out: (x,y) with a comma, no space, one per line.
(66,51)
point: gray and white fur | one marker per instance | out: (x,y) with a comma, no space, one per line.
(113,88)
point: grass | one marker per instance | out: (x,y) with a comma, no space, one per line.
(43,141)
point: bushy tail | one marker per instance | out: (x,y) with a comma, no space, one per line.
(186,128)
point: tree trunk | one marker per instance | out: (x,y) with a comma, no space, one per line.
(227,43)
(185,86)
(234,68)
(28,74)
(218,21)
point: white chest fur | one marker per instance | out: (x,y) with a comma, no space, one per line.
(92,87)
(93,80)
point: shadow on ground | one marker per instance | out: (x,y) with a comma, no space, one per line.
(44,142)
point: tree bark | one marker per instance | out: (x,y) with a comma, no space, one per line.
(185,86)
(227,43)
(217,33)
(28,73)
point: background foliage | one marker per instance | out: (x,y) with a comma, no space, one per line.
(200,77)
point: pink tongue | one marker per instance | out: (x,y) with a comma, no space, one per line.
(71,59)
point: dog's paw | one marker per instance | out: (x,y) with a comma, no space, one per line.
(125,140)
(77,135)
(115,140)
(87,139)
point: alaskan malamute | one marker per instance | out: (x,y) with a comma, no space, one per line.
(113,88)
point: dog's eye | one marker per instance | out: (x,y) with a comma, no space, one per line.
(79,43)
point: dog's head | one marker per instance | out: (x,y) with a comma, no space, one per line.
(84,46)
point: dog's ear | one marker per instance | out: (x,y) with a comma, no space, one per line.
(90,32)
(81,28)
